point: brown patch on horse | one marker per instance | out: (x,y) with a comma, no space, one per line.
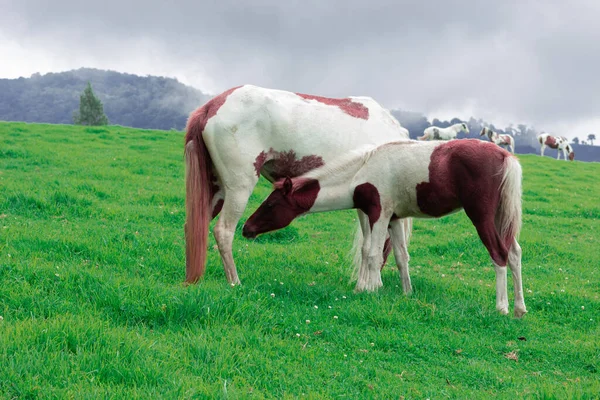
(277,165)
(259,162)
(356,110)
(286,163)
(199,118)
(551,142)
(465,174)
(218,207)
(366,198)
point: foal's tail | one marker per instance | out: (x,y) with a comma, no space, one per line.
(198,196)
(508,215)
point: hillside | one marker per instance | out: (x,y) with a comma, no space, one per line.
(129,100)
(92,303)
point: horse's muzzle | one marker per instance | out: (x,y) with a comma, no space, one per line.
(248,233)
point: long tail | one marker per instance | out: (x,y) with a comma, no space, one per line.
(508,215)
(198,196)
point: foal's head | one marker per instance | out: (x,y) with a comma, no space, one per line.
(289,200)
(464,127)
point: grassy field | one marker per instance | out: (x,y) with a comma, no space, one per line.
(92,304)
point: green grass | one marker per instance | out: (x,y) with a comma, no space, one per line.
(92,260)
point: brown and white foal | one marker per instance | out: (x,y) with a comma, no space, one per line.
(412,179)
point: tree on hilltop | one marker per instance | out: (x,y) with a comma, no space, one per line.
(91,111)
(591,137)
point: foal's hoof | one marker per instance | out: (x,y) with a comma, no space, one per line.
(503,310)
(367,287)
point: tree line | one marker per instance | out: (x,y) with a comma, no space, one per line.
(142,102)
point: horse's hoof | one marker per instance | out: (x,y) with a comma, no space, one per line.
(235,282)
(503,310)
(520,312)
(367,287)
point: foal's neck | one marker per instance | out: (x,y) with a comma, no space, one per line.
(336,180)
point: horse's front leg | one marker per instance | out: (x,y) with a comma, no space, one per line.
(369,275)
(399,243)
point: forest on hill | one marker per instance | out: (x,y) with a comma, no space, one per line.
(149,102)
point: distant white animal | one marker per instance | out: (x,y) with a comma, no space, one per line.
(560,143)
(501,140)
(449,133)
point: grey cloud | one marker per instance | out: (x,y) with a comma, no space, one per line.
(527,61)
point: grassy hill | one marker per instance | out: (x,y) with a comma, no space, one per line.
(92,305)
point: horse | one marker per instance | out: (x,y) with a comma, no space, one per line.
(560,143)
(412,179)
(449,133)
(505,140)
(249,131)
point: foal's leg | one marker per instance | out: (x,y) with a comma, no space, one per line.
(491,239)
(369,276)
(236,199)
(514,263)
(364,241)
(399,244)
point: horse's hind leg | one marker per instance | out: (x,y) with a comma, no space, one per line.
(491,240)
(514,263)
(235,202)
(398,237)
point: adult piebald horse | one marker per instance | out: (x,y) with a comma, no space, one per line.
(248,131)
(560,143)
(412,179)
(505,140)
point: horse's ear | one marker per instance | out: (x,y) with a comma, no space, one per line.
(287,186)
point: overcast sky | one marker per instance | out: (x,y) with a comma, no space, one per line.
(532,62)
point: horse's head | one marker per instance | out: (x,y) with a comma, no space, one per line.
(571,152)
(289,200)
(464,127)
(484,131)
